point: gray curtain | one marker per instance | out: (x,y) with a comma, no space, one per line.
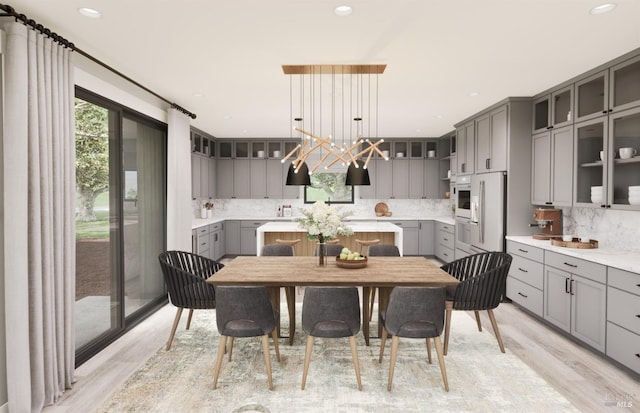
(40,274)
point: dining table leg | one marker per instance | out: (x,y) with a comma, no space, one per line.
(383,301)
(366,291)
(291,305)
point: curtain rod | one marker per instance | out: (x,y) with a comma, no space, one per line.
(10,12)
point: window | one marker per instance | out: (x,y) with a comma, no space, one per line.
(328,187)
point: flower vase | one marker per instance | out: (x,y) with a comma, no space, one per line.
(322,254)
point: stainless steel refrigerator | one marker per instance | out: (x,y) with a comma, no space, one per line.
(488,212)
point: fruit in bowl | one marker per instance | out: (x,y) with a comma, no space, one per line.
(347,254)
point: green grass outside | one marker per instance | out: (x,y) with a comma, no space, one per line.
(94,229)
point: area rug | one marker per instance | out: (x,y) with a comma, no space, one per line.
(481,378)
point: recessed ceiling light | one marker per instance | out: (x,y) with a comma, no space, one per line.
(89,12)
(228,117)
(473,94)
(603,8)
(199,95)
(343,11)
(439,116)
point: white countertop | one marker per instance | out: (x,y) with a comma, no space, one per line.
(198,222)
(624,260)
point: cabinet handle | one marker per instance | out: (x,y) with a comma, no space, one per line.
(638,355)
(548,203)
(549,127)
(521,250)
(445,254)
(638,315)
(603,206)
(487,163)
(566,285)
(604,112)
(522,269)
(610,110)
(571,265)
(445,239)
(571,288)
(525,296)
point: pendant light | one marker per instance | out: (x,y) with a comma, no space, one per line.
(300,176)
(357,174)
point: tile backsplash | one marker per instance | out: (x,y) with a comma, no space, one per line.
(612,228)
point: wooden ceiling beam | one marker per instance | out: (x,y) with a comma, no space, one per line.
(369,69)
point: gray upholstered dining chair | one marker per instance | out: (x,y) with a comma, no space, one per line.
(245,312)
(185,275)
(331,312)
(283,250)
(483,284)
(333,250)
(414,312)
(380,250)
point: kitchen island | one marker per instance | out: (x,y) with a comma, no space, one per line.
(386,232)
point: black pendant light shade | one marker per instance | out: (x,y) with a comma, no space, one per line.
(298,178)
(357,176)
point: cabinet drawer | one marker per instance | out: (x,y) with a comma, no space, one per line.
(446,239)
(587,269)
(525,295)
(623,346)
(533,253)
(444,253)
(624,280)
(216,227)
(251,224)
(445,227)
(527,271)
(623,309)
(203,230)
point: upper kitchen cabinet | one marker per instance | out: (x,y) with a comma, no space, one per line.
(552,167)
(203,165)
(553,110)
(466,137)
(592,96)
(624,92)
(605,162)
(445,163)
(491,141)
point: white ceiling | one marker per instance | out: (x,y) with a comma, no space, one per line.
(437,52)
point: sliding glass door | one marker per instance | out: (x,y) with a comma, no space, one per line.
(120,220)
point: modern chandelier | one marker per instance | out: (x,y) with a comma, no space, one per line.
(332,113)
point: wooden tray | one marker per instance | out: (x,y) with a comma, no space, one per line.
(382,210)
(351,264)
(575,243)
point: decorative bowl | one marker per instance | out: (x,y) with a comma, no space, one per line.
(351,264)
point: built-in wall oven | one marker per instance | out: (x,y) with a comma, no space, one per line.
(463,214)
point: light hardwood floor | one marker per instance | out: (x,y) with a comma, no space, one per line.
(590,381)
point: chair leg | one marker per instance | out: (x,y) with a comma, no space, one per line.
(443,369)
(290,293)
(447,325)
(494,324)
(383,341)
(478,320)
(221,347)
(371,301)
(354,356)
(307,360)
(189,318)
(394,354)
(230,349)
(429,350)
(274,335)
(267,359)
(176,320)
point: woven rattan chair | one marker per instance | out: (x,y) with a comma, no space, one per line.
(483,280)
(414,312)
(331,312)
(245,312)
(185,275)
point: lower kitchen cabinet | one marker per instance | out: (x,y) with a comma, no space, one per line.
(410,237)
(203,244)
(216,241)
(248,236)
(444,241)
(525,283)
(623,318)
(232,237)
(426,241)
(576,302)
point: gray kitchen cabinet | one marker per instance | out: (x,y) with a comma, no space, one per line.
(369,191)
(592,96)
(525,283)
(224,178)
(431,188)
(384,179)
(624,90)
(426,237)
(491,141)
(444,241)
(203,243)
(248,236)
(553,110)
(400,178)
(196,161)
(465,136)
(416,178)
(232,240)
(241,178)
(216,241)
(212,187)
(276,179)
(575,297)
(410,237)
(623,320)
(552,167)
(258,178)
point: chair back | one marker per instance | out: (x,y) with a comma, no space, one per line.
(185,275)
(410,308)
(483,280)
(244,311)
(384,250)
(277,250)
(323,307)
(333,250)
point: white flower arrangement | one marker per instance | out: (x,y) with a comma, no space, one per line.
(324,222)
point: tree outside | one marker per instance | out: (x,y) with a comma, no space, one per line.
(92,156)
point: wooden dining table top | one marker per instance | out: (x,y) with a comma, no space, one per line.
(305,271)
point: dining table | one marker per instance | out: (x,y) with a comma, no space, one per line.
(384,273)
